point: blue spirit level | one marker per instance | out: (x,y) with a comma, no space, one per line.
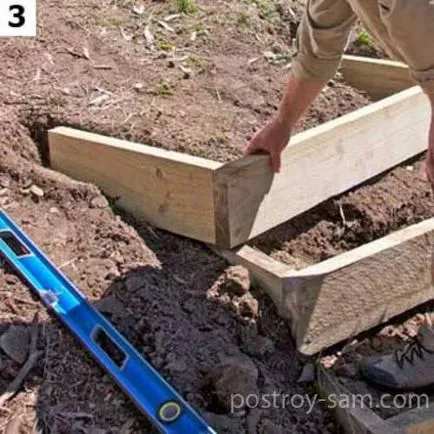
(165,408)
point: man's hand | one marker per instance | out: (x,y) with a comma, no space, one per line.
(272,139)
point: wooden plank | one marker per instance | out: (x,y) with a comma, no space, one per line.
(379,78)
(419,420)
(324,301)
(319,164)
(350,410)
(343,296)
(170,190)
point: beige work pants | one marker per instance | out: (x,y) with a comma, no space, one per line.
(403,28)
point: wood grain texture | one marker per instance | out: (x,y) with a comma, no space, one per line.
(339,298)
(170,190)
(353,415)
(335,300)
(419,420)
(321,163)
(379,78)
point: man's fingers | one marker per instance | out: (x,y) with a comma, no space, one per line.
(250,148)
(275,160)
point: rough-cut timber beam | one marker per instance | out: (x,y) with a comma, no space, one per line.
(416,421)
(379,78)
(319,164)
(168,189)
(226,205)
(343,296)
(352,410)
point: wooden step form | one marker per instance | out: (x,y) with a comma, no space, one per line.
(354,415)
(335,300)
(227,204)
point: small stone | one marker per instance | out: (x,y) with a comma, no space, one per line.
(234,375)
(99,202)
(329,361)
(5,182)
(237,280)
(37,191)
(248,306)
(307,374)
(11,279)
(110,305)
(15,343)
(269,427)
(255,345)
(177,367)
(138,86)
(54,210)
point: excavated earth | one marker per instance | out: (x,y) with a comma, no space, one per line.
(202,83)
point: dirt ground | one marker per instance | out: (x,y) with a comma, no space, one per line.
(199,81)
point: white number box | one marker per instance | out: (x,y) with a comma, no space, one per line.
(17,18)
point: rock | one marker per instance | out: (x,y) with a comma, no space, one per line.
(248,305)
(99,202)
(110,305)
(269,427)
(15,343)
(175,364)
(234,375)
(4,181)
(237,280)
(177,367)
(36,191)
(252,420)
(255,345)
(307,374)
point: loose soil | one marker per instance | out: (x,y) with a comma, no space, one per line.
(200,83)
(393,201)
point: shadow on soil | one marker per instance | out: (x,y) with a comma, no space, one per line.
(172,321)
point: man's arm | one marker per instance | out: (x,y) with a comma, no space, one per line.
(321,39)
(274,137)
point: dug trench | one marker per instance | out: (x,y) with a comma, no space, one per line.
(193,317)
(182,307)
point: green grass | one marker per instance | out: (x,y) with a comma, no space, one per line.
(165,46)
(197,62)
(244,19)
(163,89)
(186,6)
(266,8)
(364,38)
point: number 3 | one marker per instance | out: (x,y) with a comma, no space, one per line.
(19,15)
